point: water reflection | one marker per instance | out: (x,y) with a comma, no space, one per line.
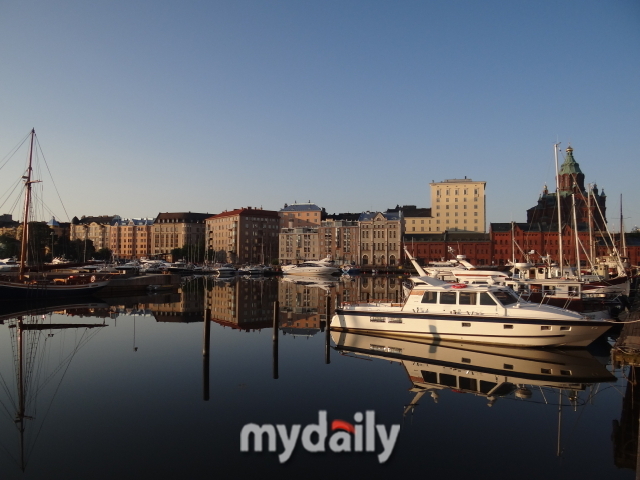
(487,371)
(176,354)
(42,351)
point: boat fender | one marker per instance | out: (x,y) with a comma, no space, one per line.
(93,278)
(459,285)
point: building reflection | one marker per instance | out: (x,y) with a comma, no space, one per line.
(304,300)
(241,304)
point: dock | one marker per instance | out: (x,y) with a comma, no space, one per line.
(626,350)
(139,283)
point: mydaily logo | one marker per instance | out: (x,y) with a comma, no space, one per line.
(346,437)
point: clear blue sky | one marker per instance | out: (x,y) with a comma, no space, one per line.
(148,106)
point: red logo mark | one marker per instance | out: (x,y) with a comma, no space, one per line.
(342,425)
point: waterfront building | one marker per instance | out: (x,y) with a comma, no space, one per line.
(340,240)
(298,244)
(96,229)
(511,241)
(131,238)
(243,235)
(414,219)
(458,205)
(176,230)
(380,238)
(10,227)
(300,215)
(59,229)
(439,247)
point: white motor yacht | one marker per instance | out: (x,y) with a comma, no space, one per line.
(491,314)
(326,266)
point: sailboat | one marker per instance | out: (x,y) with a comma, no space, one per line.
(34,286)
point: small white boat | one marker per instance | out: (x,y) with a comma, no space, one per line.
(491,314)
(224,269)
(251,270)
(326,266)
(461,270)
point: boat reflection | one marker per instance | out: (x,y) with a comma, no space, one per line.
(42,352)
(488,371)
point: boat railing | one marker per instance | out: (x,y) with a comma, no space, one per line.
(371,301)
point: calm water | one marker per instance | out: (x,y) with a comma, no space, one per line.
(134,399)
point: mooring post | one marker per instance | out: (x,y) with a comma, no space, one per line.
(276,315)
(327,334)
(205,354)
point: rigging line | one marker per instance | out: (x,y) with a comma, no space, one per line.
(52,180)
(10,194)
(575,423)
(13,151)
(56,390)
(66,360)
(15,460)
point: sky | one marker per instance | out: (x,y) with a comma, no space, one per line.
(143,107)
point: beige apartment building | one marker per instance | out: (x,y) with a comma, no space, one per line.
(458,205)
(131,238)
(340,240)
(300,215)
(298,244)
(244,235)
(96,229)
(380,238)
(175,230)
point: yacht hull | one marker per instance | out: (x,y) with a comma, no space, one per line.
(485,329)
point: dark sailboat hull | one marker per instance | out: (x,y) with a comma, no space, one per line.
(37,291)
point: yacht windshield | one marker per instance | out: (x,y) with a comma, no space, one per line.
(505,297)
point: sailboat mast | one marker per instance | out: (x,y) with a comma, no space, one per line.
(623,240)
(27,201)
(592,258)
(513,242)
(577,238)
(560,248)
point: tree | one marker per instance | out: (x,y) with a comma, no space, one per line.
(39,241)
(9,246)
(103,254)
(176,254)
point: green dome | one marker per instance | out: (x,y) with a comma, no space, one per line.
(570,166)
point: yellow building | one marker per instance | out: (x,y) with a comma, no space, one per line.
(458,205)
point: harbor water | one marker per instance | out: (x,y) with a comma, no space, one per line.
(137,387)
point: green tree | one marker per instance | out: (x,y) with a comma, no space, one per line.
(40,237)
(103,254)
(176,254)
(9,246)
